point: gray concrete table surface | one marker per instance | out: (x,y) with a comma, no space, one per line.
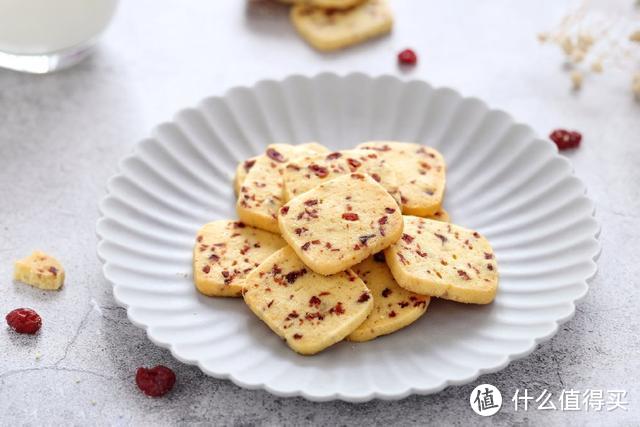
(62,135)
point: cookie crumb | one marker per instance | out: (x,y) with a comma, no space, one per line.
(39,270)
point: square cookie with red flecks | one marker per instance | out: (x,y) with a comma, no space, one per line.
(310,311)
(261,192)
(420,171)
(305,172)
(325,4)
(393,307)
(332,29)
(225,252)
(444,260)
(340,222)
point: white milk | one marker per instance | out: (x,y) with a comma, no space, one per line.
(40,27)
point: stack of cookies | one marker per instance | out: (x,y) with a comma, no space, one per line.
(346,244)
(335,24)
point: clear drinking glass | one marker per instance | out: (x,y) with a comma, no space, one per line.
(41,36)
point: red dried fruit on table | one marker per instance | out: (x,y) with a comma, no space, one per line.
(407,57)
(155,382)
(24,321)
(566,139)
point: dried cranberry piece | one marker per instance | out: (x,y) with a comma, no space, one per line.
(464,275)
(293,315)
(442,238)
(293,275)
(350,216)
(275,155)
(364,297)
(24,321)
(566,139)
(407,57)
(155,382)
(337,309)
(365,238)
(379,257)
(320,171)
(334,155)
(407,238)
(353,164)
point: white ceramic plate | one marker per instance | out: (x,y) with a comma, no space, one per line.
(502,181)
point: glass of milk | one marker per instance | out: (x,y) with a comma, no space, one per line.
(41,36)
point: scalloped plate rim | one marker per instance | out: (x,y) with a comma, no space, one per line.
(354,398)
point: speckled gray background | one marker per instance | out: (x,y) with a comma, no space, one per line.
(61,137)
